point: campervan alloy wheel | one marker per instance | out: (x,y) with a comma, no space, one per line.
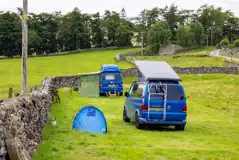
(180,127)
(125,117)
(137,123)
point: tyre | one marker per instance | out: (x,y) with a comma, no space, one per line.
(125,117)
(102,94)
(137,123)
(119,94)
(180,127)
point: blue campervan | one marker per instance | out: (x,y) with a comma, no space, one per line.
(111,80)
(156,98)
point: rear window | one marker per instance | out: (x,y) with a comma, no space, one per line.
(111,77)
(174,92)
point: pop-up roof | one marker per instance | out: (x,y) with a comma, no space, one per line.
(110,68)
(156,70)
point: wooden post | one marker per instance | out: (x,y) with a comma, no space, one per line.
(142,45)
(10,92)
(24,46)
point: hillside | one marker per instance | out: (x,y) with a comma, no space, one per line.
(41,67)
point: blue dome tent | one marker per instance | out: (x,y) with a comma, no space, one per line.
(90,119)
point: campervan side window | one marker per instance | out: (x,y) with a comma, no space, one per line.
(140,90)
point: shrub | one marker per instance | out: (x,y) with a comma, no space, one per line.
(236,43)
(225,42)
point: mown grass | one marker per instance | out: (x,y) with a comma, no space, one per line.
(195,58)
(196,52)
(41,67)
(211,133)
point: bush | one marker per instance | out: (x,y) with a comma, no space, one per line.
(236,43)
(225,42)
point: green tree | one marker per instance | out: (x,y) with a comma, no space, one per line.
(71,31)
(174,17)
(97,31)
(213,20)
(10,34)
(45,26)
(158,35)
(34,41)
(148,18)
(124,34)
(198,31)
(185,36)
(111,23)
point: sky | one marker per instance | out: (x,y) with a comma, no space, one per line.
(132,7)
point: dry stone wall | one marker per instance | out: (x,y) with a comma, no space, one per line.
(189,70)
(232,68)
(231,64)
(22,119)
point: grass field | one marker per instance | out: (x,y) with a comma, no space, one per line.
(211,133)
(189,58)
(41,67)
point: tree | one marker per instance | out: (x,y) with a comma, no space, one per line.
(185,36)
(34,42)
(46,27)
(148,18)
(158,35)
(213,20)
(10,34)
(111,23)
(174,17)
(124,34)
(198,31)
(97,31)
(71,31)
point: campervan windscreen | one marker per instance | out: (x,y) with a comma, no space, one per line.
(111,77)
(174,92)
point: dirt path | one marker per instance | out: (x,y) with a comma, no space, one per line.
(216,54)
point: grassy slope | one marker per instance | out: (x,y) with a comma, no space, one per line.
(41,67)
(211,133)
(189,59)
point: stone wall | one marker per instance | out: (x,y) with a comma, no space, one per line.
(22,119)
(170,49)
(189,70)
(231,64)
(206,70)
(124,56)
(68,52)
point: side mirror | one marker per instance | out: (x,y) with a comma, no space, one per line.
(126,94)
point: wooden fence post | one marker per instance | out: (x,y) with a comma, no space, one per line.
(10,92)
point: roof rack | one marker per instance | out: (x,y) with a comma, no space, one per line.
(156,71)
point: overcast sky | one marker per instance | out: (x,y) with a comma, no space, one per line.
(133,7)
